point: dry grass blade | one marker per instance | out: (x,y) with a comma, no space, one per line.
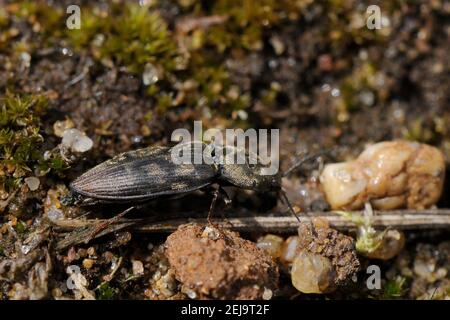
(401,219)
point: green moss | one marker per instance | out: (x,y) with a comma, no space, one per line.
(132,36)
(21,111)
(51,19)
(21,139)
(394,289)
(368,239)
(10,36)
(165,101)
(129,35)
(422,130)
(106,292)
(361,79)
(9,183)
(21,228)
(247,21)
(20,132)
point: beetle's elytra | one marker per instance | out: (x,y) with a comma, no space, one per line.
(150,173)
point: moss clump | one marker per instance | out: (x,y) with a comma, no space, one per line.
(368,239)
(46,21)
(20,132)
(247,21)
(106,292)
(21,139)
(129,35)
(21,228)
(21,111)
(394,289)
(137,38)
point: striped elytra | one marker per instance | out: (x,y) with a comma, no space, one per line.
(142,174)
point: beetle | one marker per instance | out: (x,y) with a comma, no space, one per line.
(145,174)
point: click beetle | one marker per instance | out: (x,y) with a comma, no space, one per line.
(150,173)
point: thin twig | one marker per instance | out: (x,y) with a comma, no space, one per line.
(290,224)
(401,219)
(82,232)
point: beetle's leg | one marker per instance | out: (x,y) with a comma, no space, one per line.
(216,193)
(226,198)
(288,203)
(102,226)
(213,205)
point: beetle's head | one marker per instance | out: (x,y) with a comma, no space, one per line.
(247,171)
(251,177)
(266,183)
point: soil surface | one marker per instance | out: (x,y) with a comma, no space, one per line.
(137,70)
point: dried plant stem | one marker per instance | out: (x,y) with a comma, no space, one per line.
(401,219)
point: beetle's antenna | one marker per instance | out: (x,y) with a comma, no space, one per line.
(286,199)
(302,161)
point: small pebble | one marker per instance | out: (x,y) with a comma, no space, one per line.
(54,214)
(150,75)
(326,259)
(278,45)
(390,175)
(76,140)
(91,251)
(392,243)
(32,183)
(272,244)
(82,252)
(25,249)
(60,126)
(88,263)
(57,293)
(138,267)
(267,294)
(312,273)
(210,233)
(26,59)
(289,249)
(191,294)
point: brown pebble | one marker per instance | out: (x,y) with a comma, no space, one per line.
(227,267)
(391,245)
(88,263)
(82,253)
(91,251)
(318,238)
(138,267)
(57,293)
(272,244)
